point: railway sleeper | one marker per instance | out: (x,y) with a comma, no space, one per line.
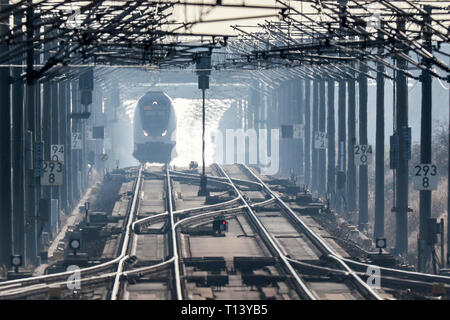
(216,199)
(145,230)
(206,263)
(262,280)
(247,264)
(311,210)
(217,280)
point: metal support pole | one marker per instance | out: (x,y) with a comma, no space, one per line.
(401,173)
(341,177)
(315,128)
(203,191)
(46,135)
(307,145)
(83,158)
(203,132)
(31,211)
(363,170)
(257,107)
(74,153)
(5,154)
(448,181)
(38,137)
(18,160)
(301,109)
(62,140)
(55,130)
(351,169)
(379,149)
(67,148)
(322,152)
(287,100)
(290,106)
(425,147)
(331,185)
(281,111)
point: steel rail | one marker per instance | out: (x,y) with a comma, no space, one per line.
(318,241)
(18,283)
(129,231)
(164,214)
(302,285)
(218,179)
(12,290)
(385,282)
(402,273)
(176,262)
(41,288)
(207,214)
(56,276)
(184,211)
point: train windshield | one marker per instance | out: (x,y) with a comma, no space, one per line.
(155,117)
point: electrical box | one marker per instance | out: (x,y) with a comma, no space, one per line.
(287,131)
(44,209)
(405,134)
(98,132)
(86,81)
(432,231)
(86,97)
(203,66)
(341,180)
(29,149)
(393,151)
(54,215)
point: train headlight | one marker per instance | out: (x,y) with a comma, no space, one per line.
(164,133)
(145,133)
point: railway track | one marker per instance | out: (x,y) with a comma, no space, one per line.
(251,205)
(181,219)
(22,288)
(305,291)
(365,291)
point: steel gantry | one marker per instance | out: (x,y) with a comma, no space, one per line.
(308,64)
(348,41)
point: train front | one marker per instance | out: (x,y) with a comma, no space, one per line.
(154,128)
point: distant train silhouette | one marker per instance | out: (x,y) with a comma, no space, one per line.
(154,128)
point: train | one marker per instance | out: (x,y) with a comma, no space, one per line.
(154,128)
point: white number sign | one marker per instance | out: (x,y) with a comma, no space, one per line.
(57,152)
(299,131)
(320,140)
(52,173)
(363,154)
(425,177)
(77,141)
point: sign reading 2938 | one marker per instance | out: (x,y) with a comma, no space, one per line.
(52,173)
(425,177)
